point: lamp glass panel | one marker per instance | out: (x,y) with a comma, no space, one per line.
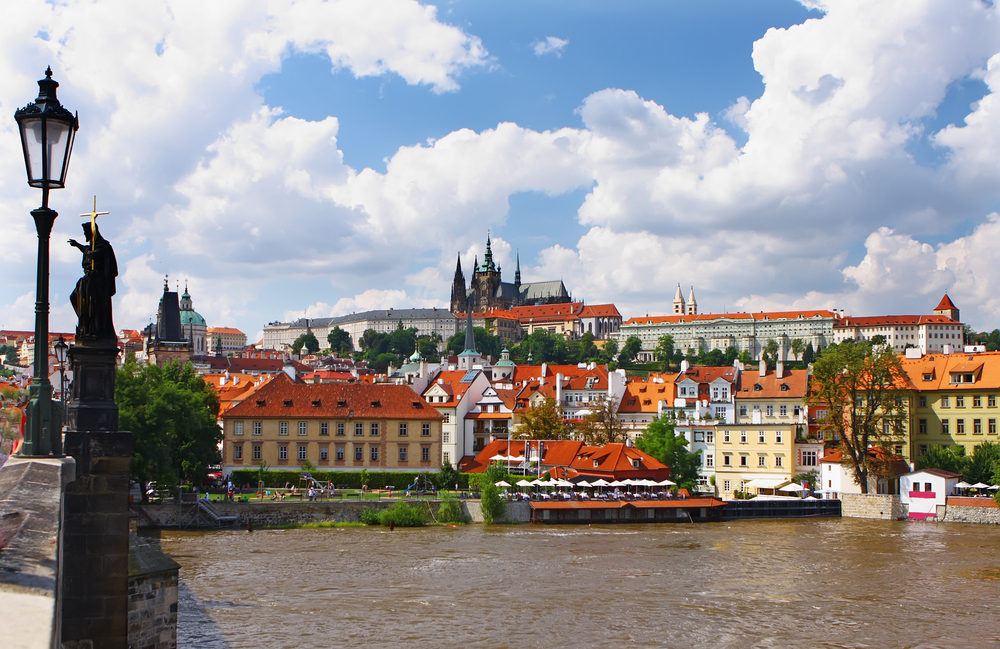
(31,138)
(58,141)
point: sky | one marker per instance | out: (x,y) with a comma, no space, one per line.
(286,158)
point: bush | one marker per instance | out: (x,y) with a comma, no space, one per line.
(370,517)
(403,514)
(494,507)
(450,510)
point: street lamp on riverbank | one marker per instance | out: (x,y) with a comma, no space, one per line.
(47,131)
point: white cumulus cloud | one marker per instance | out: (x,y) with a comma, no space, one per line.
(550,45)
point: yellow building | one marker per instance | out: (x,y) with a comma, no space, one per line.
(758,453)
(955,400)
(332,426)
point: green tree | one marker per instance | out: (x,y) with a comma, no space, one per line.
(9,354)
(486,343)
(771,350)
(630,349)
(172,414)
(610,351)
(492,504)
(307,340)
(984,465)
(798,348)
(809,354)
(447,477)
(544,422)
(660,441)
(340,341)
(950,458)
(665,351)
(428,346)
(601,426)
(863,389)
(403,342)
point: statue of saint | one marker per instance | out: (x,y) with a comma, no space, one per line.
(91,298)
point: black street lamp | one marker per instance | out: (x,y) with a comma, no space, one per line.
(61,348)
(47,132)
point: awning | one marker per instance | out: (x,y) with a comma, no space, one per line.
(767,483)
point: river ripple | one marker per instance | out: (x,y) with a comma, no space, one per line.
(806,583)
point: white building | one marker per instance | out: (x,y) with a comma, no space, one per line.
(928,333)
(425,321)
(454,393)
(924,491)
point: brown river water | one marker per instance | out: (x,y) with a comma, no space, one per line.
(773,583)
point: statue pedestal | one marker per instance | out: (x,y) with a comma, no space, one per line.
(92,398)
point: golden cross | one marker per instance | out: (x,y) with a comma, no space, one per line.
(93,226)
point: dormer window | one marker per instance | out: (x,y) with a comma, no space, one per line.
(757,387)
(341,404)
(317,403)
(261,403)
(635,463)
(417,404)
(288,403)
(928,377)
(784,387)
(376,404)
(596,463)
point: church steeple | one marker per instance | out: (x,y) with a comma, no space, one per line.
(488,265)
(458,292)
(517,272)
(679,306)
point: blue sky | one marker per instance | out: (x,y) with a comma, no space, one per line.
(317,158)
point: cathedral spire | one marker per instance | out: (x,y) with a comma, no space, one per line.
(517,271)
(488,265)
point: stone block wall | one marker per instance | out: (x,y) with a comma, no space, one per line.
(516,512)
(152,611)
(880,506)
(964,514)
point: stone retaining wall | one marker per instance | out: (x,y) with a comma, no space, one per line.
(516,512)
(964,514)
(879,506)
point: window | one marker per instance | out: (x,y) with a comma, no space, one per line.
(359,429)
(928,486)
(809,458)
(425,454)
(743,460)
(402,454)
(991,401)
(796,410)
(777,461)
(635,463)
(256,427)
(709,461)
(374,429)
(710,437)
(256,451)
(324,428)
(425,430)
(699,436)
(743,411)
(945,403)
(237,451)
(922,401)
(446,438)
(283,452)
(302,451)
(770,411)
(743,437)
(922,426)
(783,411)
(760,437)
(944,427)
(238,428)
(447,418)
(992,427)
(725,436)
(340,453)
(283,428)
(402,429)
(777,437)
(960,402)
(302,428)
(959,426)
(977,426)
(340,429)
(447,456)
(725,486)
(762,460)
(324,454)
(726,460)
(720,412)
(923,449)
(977,402)
(373,454)
(359,453)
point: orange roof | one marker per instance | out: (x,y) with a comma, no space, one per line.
(644,396)
(543,312)
(283,398)
(898,464)
(945,303)
(225,330)
(707,374)
(599,311)
(760,316)
(612,459)
(792,385)
(893,320)
(984,366)
(451,382)
(493,313)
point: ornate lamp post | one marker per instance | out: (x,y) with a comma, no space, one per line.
(61,348)
(47,132)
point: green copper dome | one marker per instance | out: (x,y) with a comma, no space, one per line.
(192,318)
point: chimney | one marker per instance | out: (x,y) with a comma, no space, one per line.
(559,385)
(289,369)
(685,366)
(763,367)
(541,379)
(780,370)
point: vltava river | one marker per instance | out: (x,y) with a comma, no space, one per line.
(808,583)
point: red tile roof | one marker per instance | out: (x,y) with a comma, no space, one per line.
(599,311)
(756,317)
(548,312)
(283,398)
(795,381)
(945,303)
(892,320)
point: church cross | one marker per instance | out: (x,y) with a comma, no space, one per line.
(93,226)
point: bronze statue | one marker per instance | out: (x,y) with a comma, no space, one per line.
(91,298)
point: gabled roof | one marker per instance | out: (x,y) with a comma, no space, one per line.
(984,366)
(282,398)
(892,321)
(644,396)
(571,454)
(941,473)
(451,381)
(792,385)
(708,374)
(599,311)
(548,312)
(945,304)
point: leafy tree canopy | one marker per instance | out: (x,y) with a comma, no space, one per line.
(340,341)
(660,441)
(308,341)
(601,426)
(172,414)
(543,422)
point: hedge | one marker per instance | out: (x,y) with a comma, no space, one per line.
(351,479)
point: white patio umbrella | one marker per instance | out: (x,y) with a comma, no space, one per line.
(994,487)
(962,485)
(538,482)
(600,482)
(524,483)
(618,483)
(980,485)
(666,483)
(502,483)
(584,483)
(499,458)
(792,487)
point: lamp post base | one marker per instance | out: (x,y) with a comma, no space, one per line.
(92,400)
(46,418)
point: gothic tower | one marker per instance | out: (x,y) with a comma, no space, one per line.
(458,292)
